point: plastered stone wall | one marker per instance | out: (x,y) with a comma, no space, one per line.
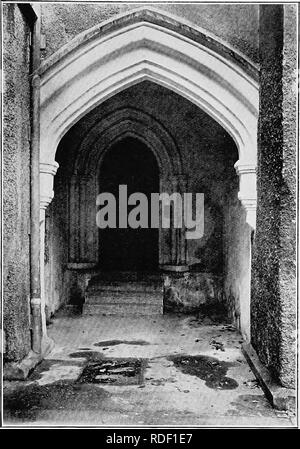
(16,206)
(235,24)
(273,306)
(208,153)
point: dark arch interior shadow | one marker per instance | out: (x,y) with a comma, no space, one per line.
(129,162)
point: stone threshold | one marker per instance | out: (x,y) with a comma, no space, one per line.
(280,397)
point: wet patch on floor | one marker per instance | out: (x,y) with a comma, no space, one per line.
(27,402)
(114,371)
(122,342)
(209,369)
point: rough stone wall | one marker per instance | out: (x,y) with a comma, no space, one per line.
(16,182)
(208,153)
(235,24)
(287,266)
(273,305)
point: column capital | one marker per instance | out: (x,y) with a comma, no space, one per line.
(245,168)
(47,173)
(49,167)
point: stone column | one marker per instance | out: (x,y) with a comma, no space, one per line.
(82,223)
(92,248)
(174,238)
(88,240)
(74,213)
(47,173)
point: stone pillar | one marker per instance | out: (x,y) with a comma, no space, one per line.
(273,301)
(88,241)
(92,231)
(83,236)
(180,185)
(47,173)
(174,252)
(74,214)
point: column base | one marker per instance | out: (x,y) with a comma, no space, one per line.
(280,398)
(21,370)
(174,268)
(81,265)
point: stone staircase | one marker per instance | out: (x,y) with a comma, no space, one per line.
(124,293)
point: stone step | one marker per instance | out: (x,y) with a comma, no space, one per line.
(125,276)
(142,287)
(124,297)
(122,309)
(124,293)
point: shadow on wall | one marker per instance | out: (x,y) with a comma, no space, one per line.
(206,254)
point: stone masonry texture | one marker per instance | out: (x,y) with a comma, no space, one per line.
(16,182)
(273,305)
(235,24)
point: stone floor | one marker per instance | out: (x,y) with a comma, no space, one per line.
(194,374)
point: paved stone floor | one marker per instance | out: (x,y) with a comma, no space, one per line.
(194,375)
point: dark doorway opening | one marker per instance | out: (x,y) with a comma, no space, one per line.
(129,162)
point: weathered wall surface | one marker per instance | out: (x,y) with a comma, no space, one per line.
(273,306)
(192,292)
(208,153)
(16,205)
(235,24)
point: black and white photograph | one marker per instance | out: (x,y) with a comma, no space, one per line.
(149,217)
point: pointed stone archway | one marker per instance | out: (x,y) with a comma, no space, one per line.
(122,123)
(147,45)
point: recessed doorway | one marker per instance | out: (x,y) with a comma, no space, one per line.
(129,162)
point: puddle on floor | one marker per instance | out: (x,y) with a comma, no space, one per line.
(209,369)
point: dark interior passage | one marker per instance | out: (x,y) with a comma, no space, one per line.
(131,163)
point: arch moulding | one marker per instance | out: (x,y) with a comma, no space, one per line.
(147,45)
(86,179)
(128,122)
